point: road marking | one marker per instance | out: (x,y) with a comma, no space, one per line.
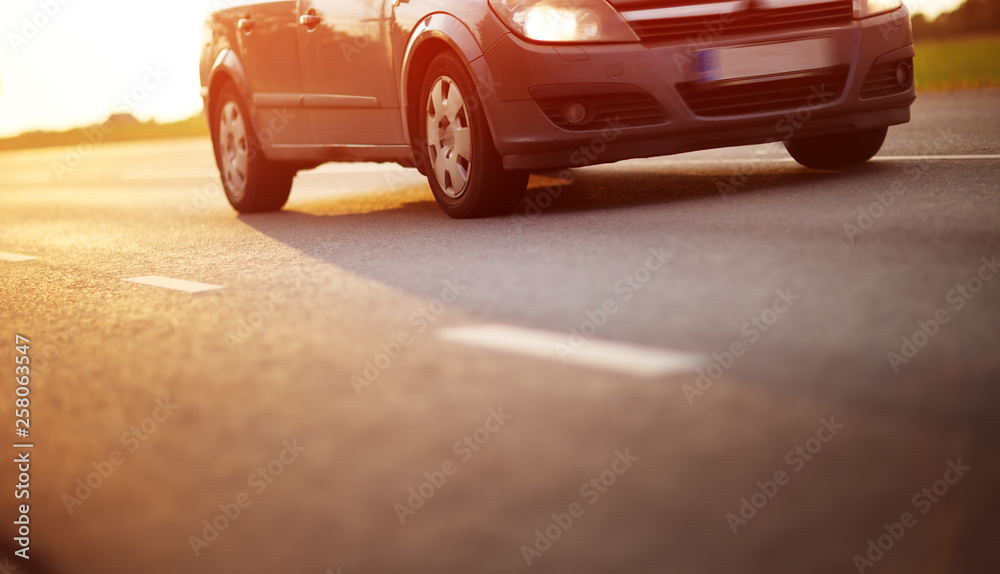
(723,161)
(595,353)
(175,284)
(15,257)
(933,157)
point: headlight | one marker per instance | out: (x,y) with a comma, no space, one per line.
(866,8)
(564,20)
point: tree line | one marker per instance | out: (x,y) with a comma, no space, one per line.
(972,17)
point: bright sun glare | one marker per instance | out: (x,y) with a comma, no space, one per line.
(67,63)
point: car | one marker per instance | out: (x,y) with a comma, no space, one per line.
(477,94)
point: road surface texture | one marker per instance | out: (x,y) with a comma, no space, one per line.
(716,362)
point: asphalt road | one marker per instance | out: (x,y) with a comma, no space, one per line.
(269,396)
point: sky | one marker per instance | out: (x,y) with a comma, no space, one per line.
(68,63)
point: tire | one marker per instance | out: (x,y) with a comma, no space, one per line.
(463,167)
(253,183)
(842,150)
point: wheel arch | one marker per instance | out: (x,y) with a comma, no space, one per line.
(227,68)
(434,34)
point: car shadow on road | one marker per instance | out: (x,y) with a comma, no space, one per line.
(607,188)
(403,240)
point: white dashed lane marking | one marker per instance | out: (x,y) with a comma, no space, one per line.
(724,161)
(4,256)
(596,354)
(933,157)
(175,284)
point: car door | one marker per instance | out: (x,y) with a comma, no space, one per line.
(350,88)
(268,37)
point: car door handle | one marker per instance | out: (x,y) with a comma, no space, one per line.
(310,21)
(246,25)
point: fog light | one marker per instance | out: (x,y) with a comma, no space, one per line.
(904,75)
(575,113)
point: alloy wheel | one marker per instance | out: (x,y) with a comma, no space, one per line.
(235,158)
(449,136)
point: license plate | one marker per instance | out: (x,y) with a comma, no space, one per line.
(774,59)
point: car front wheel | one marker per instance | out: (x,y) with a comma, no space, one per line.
(842,150)
(465,170)
(253,183)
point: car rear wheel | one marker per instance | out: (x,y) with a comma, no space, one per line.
(252,182)
(842,150)
(465,170)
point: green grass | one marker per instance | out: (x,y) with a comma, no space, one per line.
(958,63)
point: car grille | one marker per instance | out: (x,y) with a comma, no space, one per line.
(726,22)
(754,97)
(611,104)
(881,80)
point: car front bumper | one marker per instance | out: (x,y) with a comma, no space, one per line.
(512,71)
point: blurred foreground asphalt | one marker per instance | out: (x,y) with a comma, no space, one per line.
(790,290)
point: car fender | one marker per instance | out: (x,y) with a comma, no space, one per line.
(227,63)
(444,27)
(454,33)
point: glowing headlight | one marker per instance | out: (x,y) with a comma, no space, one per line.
(564,20)
(556,24)
(866,8)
